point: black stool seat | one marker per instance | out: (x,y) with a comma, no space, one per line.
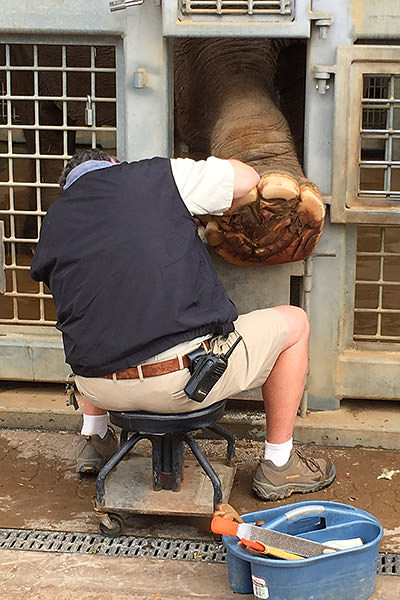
(167,434)
(146,422)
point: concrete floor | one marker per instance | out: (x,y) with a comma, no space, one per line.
(41,576)
(39,489)
(359,423)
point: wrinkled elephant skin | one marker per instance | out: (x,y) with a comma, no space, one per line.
(227,106)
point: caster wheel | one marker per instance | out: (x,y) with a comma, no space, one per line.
(115,530)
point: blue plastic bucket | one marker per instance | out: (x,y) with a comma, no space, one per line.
(343,575)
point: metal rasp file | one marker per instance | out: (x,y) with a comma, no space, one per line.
(260,538)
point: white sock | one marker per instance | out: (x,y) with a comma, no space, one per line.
(278,453)
(94,424)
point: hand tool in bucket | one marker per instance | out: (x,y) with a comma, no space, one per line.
(281,545)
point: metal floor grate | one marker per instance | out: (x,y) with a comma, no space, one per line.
(129,546)
(388,564)
(143,547)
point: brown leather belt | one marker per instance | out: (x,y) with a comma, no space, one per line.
(154,369)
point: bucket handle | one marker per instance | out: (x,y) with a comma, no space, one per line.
(301,511)
(316,509)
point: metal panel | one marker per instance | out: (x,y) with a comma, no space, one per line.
(368,375)
(256,287)
(53,89)
(31,348)
(366,160)
(374,19)
(368,369)
(32,357)
(74,16)
(240,18)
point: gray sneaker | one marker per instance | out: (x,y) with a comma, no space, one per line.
(301,474)
(96,452)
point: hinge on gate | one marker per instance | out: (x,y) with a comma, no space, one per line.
(323,21)
(322,75)
(122,4)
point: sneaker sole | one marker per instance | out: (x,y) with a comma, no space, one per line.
(269,492)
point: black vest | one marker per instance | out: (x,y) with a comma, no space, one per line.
(129,274)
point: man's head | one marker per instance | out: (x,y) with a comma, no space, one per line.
(80,157)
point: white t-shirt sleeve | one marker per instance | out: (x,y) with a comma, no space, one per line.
(205,186)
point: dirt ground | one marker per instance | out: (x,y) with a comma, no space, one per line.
(39,488)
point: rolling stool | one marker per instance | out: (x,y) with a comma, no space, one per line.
(167,434)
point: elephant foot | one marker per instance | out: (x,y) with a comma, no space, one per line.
(283,224)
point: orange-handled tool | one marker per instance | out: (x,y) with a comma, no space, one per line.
(281,545)
(227,527)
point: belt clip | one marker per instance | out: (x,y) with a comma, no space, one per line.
(140,372)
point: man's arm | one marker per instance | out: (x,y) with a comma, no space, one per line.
(214,186)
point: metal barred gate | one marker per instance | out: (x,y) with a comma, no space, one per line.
(50,93)
(101,74)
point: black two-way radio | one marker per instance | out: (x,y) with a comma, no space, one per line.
(206,369)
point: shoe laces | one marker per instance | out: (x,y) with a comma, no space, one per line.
(308,461)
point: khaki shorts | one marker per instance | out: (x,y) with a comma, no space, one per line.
(264,334)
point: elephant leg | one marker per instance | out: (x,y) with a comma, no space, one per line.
(285,221)
(228,102)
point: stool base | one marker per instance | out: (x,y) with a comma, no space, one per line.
(129,489)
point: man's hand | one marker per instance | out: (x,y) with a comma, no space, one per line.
(245,178)
(242,201)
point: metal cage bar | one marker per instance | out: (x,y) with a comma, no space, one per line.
(376,173)
(377,285)
(239,7)
(31,118)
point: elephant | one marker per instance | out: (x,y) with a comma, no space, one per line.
(227,105)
